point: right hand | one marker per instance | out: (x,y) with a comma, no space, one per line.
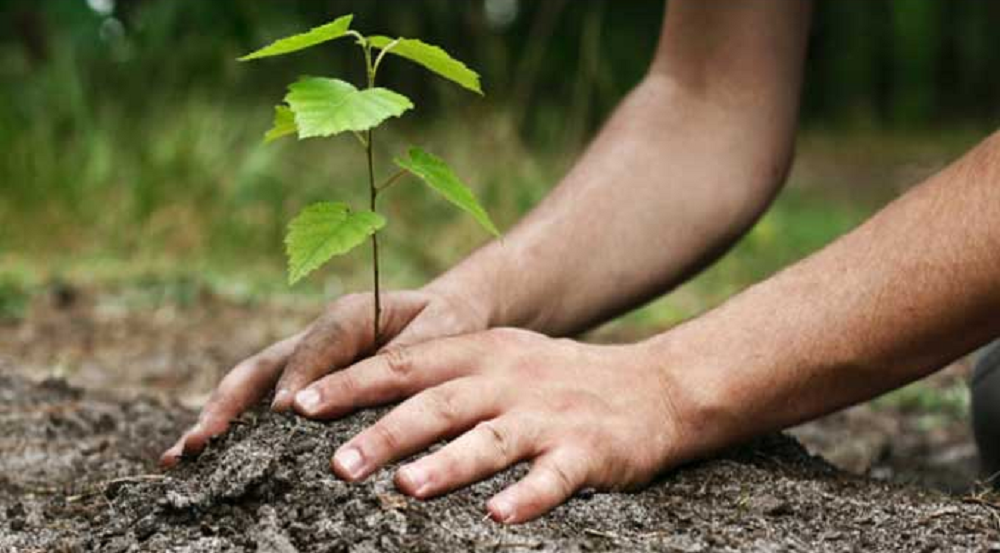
(338,338)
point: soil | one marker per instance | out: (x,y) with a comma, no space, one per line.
(77,475)
(77,460)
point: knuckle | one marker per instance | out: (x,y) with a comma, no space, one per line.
(387,435)
(560,479)
(398,361)
(443,404)
(348,385)
(498,438)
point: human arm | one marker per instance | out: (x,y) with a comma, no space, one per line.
(683,167)
(910,290)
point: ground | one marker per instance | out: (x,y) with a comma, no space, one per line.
(88,399)
(78,477)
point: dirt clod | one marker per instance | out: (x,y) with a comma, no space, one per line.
(76,474)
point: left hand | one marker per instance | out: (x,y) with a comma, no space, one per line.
(584,415)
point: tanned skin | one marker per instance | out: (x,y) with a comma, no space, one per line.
(685,165)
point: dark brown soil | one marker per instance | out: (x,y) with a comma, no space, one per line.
(76,474)
(177,338)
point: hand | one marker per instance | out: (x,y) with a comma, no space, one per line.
(338,338)
(584,415)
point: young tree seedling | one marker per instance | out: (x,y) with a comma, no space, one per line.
(322,107)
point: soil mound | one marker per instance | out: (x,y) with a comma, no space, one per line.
(76,474)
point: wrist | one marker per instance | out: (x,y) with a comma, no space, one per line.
(697,394)
(475,284)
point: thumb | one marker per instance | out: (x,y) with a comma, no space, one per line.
(437,320)
(340,336)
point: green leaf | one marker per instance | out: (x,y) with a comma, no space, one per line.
(433,58)
(324,107)
(323,230)
(317,35)
(284,124)
(441,178)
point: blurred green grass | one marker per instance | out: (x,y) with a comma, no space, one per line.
(185,191)
(172,190)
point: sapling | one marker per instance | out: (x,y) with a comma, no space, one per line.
(322,107)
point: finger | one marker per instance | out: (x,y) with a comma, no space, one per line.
(434,414)
(340,336)
(490,447)
(394,374)
(422,329)
(553,479)
(433,322)
(241,388)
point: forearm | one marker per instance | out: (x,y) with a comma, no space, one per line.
(912,289)
(639,212)
(684,166)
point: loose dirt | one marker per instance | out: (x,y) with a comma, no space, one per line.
(77,474)
(176,339)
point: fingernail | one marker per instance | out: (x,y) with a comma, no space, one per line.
(502,509)
(413,479)
(307,400)
(169,458)
(281,398)
(350,461)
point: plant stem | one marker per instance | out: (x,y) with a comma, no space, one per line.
(372,196)
(391,180)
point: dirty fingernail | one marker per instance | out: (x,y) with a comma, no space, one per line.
(350,461)
(413,479)
(502,509)
(307,400)
(182,444)
(168,459)
(281,398)
(171,456)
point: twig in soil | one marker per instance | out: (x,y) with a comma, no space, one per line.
(501,544)
(512,544)
(101,487)
(980,498)
(599,533)
(940,513)
(391,501)
(40,490)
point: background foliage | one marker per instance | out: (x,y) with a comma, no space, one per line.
(130,137)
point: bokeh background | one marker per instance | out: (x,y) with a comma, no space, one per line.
(141,216)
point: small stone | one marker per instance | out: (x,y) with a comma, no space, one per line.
(145,527)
